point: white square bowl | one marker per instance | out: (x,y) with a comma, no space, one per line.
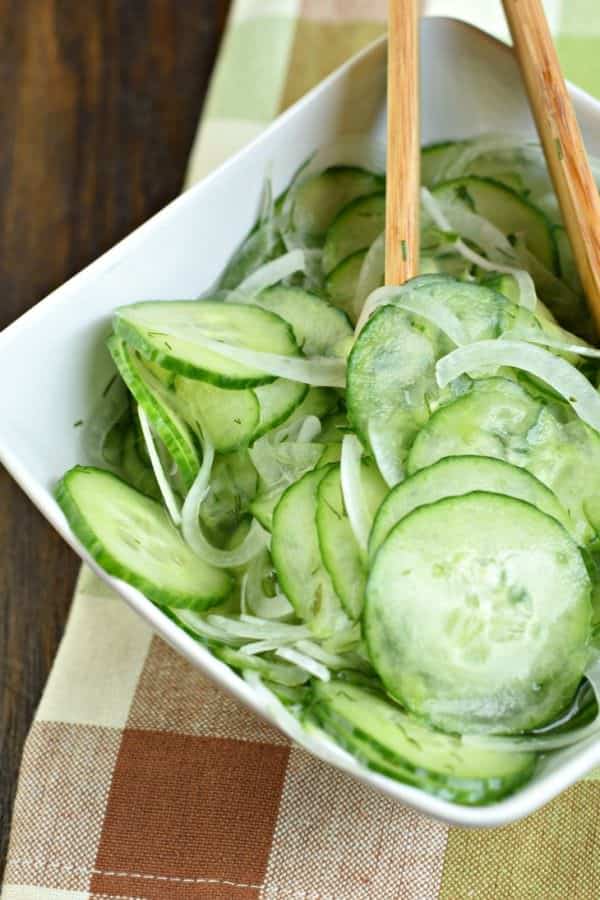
(53,361)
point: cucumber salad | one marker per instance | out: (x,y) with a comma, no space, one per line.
(380,505)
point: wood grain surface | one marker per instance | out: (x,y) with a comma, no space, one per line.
(99,102)
(561,139)
(403,143)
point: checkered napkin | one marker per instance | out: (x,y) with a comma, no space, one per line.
(142,781)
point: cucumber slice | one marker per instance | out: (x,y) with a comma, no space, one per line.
(229,418)
(233,486)
(319,199)
(341,282)
(263,507)
(332,453)
(390,380)
(135,470)
(340,552)
(158,405)
(155,328)
(508,210)
(435,159)
(387,740)
(504,284)
(483,312)
(390,375)
(276,403)
(498,417)
(333,429)
(354,228)
(319,402)
(297,558)
(492,419)
(112,447)
(478,614)
(132,537)
(457,475)
(317,325)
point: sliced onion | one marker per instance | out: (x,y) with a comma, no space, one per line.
(557,372)
(257,647)
(319,371)
(244,593)
(371,274)
(348,660)
(347,638)
(391,469)
(267,203)
(428,308)
(280,464)
(498,250)
(353,492)
(253,628)
(264,606)
(198,624)
(538,337)
(269,274)
(436,313)
(166,490)
(310,428)
(546,741)
(252,544)
(487,235)
(307,663)
(473,149)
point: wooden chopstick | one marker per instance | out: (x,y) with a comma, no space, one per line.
(403,143)
(561,138)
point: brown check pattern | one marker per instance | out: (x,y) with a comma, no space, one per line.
(142,781)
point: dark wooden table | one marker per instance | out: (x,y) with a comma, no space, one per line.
(99,102)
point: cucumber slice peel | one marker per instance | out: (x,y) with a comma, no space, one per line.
(158,405)
(297,557)
(453,476)
(132,537)
(505,640)
(388,740)
(155,329)
(340,552)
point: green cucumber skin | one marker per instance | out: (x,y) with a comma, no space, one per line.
(132,336)
(180,367)
(370,182)
(576,625)
(331,256)
(348,599)
(487,466)
(325,614)
(222,440)
(81,529)
(279,420)
(523,201)
(464,791)
(186,457)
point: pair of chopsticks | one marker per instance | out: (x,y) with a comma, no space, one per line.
(556,125)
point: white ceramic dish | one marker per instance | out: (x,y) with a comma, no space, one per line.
(52,360)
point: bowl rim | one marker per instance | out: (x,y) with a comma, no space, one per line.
(527,798)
